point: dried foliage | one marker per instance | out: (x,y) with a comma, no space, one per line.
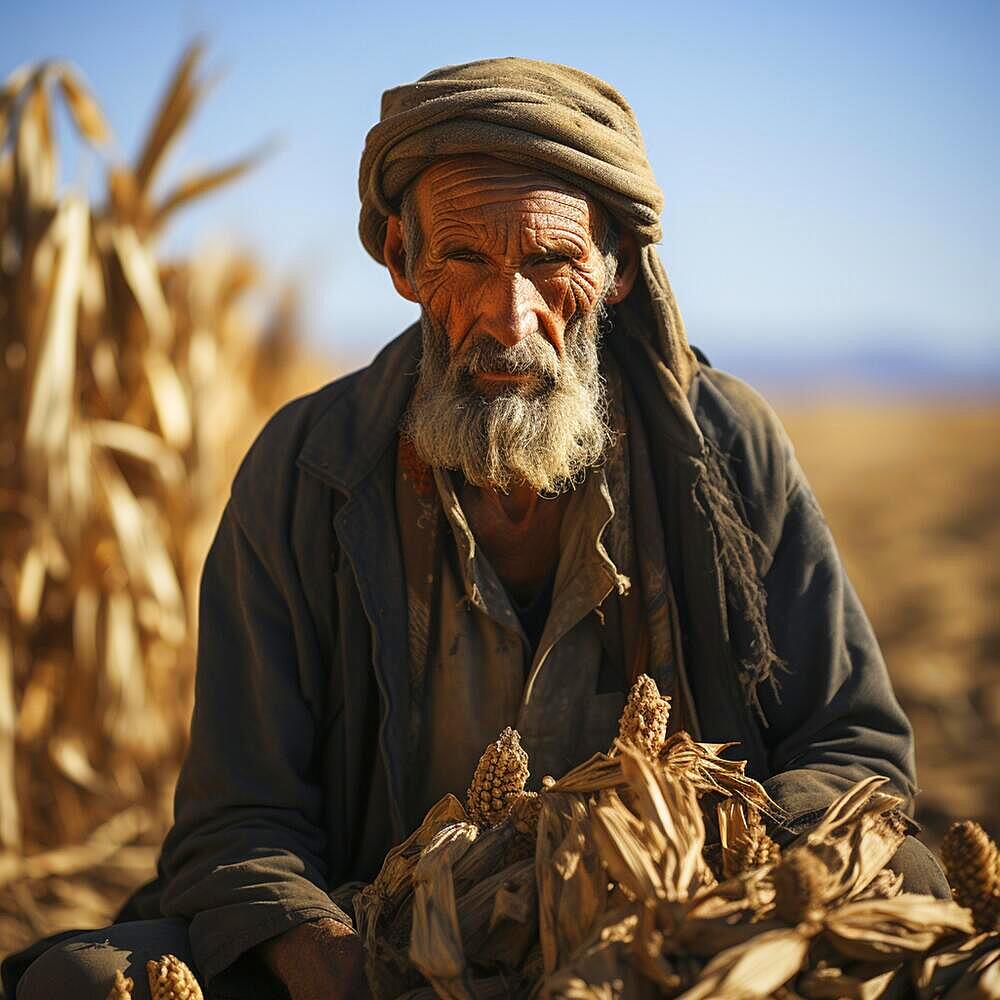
(128,388)
(619,898)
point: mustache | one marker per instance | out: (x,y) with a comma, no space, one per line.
(532,356)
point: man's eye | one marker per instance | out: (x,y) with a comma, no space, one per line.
(552,258)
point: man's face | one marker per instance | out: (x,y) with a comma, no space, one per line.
(507,253)
(511,279)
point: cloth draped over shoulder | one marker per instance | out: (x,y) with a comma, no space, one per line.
(576,127)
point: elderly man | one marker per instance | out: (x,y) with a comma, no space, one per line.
(524,502)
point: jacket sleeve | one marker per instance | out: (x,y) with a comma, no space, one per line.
(246,859)
(834,718)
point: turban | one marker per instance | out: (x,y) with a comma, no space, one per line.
(555,119)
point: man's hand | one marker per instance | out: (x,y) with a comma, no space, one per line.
(321,960)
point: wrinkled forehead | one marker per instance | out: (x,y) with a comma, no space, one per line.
(471,188)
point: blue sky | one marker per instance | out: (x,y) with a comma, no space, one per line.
(831,170)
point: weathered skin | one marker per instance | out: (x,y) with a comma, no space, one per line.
(508,252)
(321,960)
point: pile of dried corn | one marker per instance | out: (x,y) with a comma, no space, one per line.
(650,871)
(129,387)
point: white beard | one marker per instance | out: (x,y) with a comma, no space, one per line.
(545,432)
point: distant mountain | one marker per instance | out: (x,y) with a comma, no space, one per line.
(881,368)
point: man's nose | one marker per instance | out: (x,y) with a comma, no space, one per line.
(510,312)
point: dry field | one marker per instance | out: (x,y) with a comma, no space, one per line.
(912,493)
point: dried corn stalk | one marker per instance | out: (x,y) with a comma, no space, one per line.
(128,389)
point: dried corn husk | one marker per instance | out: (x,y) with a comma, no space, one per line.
(601,967)
(959,962)
(498,917)
(857,836)
(703,765)
(618,900)
(668,806)
(897,929)
(885,885)
(862,983)
(572,885)
(699,763)
(436,940)
(755,968)
(981,981)
(383,909)
(394,880)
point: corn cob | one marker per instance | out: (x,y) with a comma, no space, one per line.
(746,844)
(973,865)
(767,853)
(643,721)
(122,989)
(499,781)
(798,886)
(171,979)
(524,812)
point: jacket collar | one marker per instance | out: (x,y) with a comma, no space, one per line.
(362,417)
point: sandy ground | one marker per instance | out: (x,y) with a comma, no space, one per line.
(912,493)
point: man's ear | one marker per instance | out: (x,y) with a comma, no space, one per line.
(628,268)
(394,253)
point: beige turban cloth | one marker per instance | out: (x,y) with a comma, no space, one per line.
(555,119)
